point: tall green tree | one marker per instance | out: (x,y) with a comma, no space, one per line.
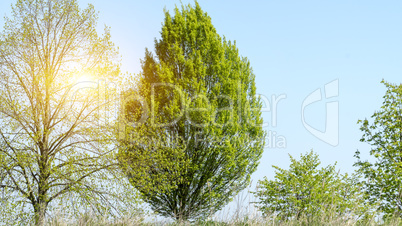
(198,95)
(383,178)
(307,192)
(53,150)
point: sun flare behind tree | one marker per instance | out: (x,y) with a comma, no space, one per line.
(51,144)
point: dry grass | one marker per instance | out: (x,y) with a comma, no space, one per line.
(243,212)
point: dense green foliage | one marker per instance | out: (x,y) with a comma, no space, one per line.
(383,178)
(307,192)
(203,106)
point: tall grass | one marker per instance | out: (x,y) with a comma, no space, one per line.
(84,221)
(245,214)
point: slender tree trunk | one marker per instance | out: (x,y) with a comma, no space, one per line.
(40,211)
(41,204)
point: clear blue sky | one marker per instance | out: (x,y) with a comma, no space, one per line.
(294,47)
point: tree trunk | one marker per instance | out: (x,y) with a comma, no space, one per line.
(40,211)
(42,201)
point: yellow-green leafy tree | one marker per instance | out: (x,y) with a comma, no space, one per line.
(383,177)
(53,150)
(309,193)
(196,128)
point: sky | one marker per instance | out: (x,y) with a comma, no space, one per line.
(295,48)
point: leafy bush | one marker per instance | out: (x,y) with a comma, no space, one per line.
(308,192)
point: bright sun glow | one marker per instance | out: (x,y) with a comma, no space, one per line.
(84,78)
(83,81)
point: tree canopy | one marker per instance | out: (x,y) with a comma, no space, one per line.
(52,149)
(305,191)
(198,95)
(383,180)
